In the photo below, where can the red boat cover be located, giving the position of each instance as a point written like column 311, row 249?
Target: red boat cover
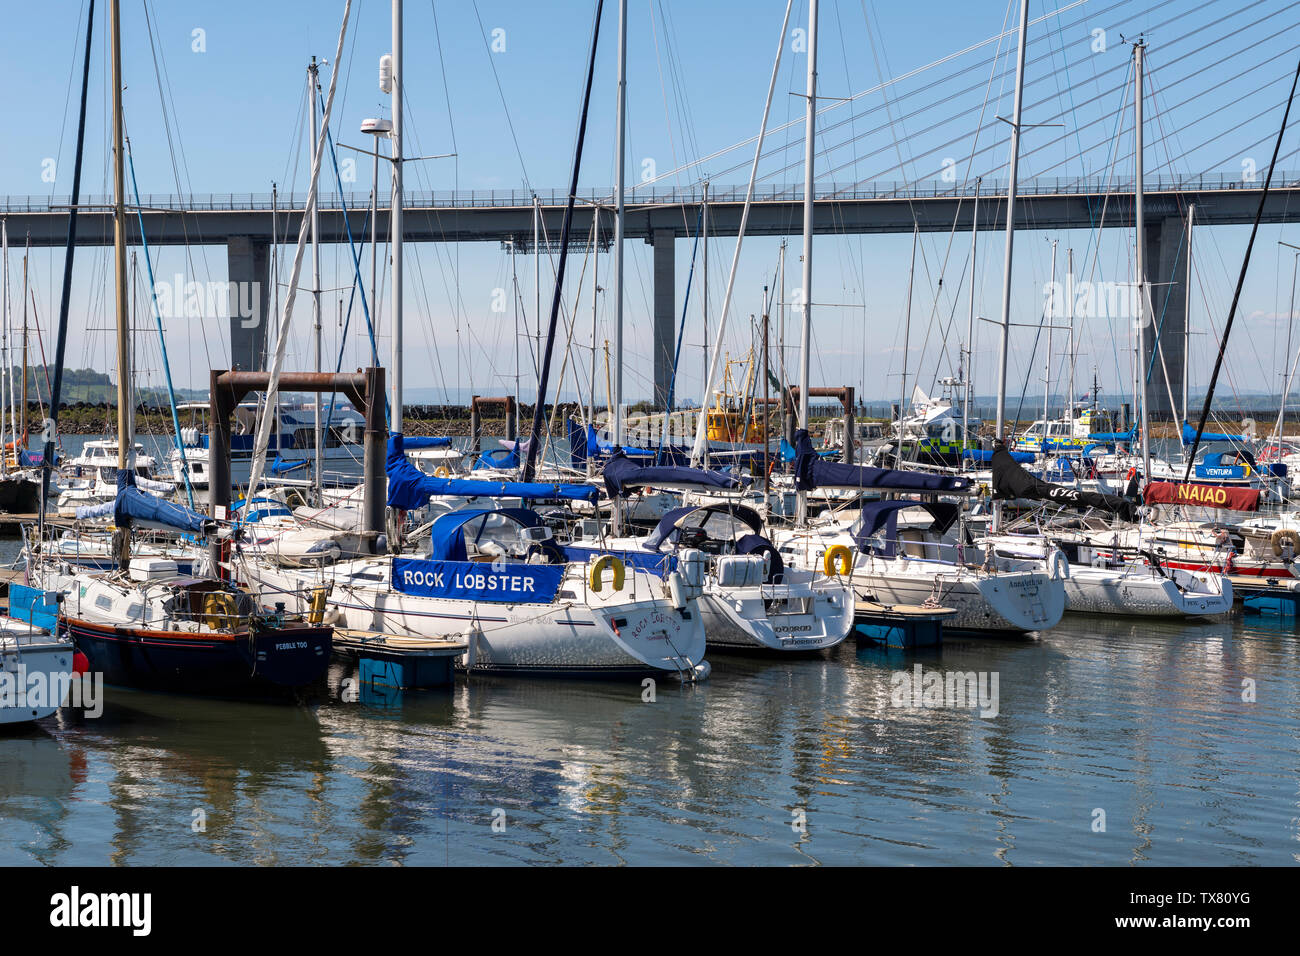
column 1204, row 496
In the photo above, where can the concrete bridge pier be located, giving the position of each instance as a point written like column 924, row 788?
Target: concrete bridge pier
column 1163, row 335
column 248, row 269
column 665, row 309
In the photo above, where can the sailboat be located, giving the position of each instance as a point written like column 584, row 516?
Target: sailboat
column 494, row 574
column 750, row 599
column 20, row 488
column 143, row 624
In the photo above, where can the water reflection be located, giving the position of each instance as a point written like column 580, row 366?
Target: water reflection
column 771, row 761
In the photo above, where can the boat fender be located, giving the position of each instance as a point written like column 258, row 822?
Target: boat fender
column 316, row 603
column 838, row 560
column 471, row 635
column 1058, row 565
column 598, row 571
column 1286, row 540
column 677, row 591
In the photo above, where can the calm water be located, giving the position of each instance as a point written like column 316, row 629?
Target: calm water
column 1143, row 721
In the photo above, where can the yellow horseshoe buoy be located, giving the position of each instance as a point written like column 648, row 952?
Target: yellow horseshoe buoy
column 316, row 605
column 838, row 560
column 598, row 571
column 442, row 471
column 220, row 611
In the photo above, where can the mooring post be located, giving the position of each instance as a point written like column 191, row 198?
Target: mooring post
column 220, row 408
column 847, row 398
column 475, row 426
column 375, row 451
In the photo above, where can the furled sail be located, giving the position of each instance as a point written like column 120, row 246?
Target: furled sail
column 622, row 474
column 1010, row 480
column 811, row 472
column 409, row 488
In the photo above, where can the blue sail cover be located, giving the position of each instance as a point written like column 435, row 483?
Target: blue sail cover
column 133, row 505
column 622, row 474
column 282, row 467
column 811, row 472
column 426, row 441
column 1189, row 436
column 409, row 488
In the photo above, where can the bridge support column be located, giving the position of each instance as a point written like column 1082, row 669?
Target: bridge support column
column 665, row 308
column 248, row 268
column 1163, row 335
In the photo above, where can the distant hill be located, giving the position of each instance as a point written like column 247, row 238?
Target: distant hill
column 90, row 387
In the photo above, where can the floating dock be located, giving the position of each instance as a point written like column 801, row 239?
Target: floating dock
column 397, row 662
column 1271, row 595
column 903, row 626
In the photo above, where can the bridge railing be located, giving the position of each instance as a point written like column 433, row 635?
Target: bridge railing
column 655, row 194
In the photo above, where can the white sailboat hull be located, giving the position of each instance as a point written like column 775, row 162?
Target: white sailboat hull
column 604, row 634
column 1009, row 602
column 805, row 616
column 1141, row 593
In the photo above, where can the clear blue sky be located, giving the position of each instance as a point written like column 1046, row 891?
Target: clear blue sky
column 698, row 73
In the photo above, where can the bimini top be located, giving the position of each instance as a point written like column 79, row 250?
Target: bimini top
column 447, row 536
column 409, row 488
column 883, row 515
column 622, row 474
column 671, row 522
column 810, row 472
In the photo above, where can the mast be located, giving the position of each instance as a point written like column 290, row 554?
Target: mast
column 514, row 294
column 1290, row 321
column 395, row 217
column 125, row 431
column 537, row 285
column 1187, row 305
column 312, row 93
column 704, row 297
column 970, row 320
column 22, row 404
column 907, row 335
column 1047, row 364
column 6, row 374
column 1143, row 313
column 616, row 400
column 767, row 403
column 1012, row 171
column 1069, row 307
column 810, row 133
column 595, row 294
column 65, row 297
column 544, row 363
